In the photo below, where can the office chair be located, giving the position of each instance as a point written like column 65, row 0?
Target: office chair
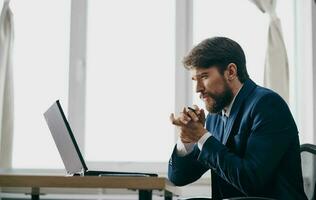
column 308, row 156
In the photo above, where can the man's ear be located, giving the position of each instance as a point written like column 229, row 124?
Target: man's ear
column 231, row 71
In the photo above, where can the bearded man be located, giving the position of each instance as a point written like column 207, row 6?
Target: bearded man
column 249, row 139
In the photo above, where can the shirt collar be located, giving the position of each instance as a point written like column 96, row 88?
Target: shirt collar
column 226, row 110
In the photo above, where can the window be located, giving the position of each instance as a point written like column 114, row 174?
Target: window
column 130, row 71
column 40, row 67
column 130, row 80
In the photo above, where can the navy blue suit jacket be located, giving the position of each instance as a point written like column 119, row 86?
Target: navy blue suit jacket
column 255, row 154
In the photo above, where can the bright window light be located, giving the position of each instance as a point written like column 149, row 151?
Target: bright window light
column 130, row 80
column 40, row 67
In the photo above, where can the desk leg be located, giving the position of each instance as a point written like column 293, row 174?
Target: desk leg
column 168, row 195
column 145, row 195
column 35, row 194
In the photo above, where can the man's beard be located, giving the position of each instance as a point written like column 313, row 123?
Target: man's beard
column 218, row 101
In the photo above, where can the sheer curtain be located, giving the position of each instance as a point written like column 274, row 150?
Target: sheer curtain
column 276, row 72
column 6, row 86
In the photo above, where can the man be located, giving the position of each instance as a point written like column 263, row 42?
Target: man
column 249, row 139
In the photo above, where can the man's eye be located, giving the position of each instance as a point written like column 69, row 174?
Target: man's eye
column 204, row 77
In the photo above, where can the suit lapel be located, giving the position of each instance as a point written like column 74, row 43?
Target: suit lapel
column 247, row 88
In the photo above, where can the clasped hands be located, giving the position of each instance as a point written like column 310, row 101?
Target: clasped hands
column 190, row 124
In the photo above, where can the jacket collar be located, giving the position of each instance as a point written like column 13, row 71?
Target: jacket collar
column 226, row 111
column 244, row 92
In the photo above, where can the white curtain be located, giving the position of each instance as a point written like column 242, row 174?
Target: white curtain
column 276, row 72
column 6, row 86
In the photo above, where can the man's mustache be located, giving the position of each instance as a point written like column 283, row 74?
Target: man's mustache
column 208, row 94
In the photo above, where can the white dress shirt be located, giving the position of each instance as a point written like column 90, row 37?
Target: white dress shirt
column 186, row 148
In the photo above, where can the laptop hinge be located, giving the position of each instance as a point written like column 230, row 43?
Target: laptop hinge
column 81, row 173
column 76, row 174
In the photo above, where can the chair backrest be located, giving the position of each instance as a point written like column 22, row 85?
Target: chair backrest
column 308, row 155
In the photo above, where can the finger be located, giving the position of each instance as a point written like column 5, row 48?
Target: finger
column 202, row 115
column 184, row 118
column 197, row 109
column 192, row 115
column 175, row 121
column 184, row 110
column 190, row 109
column 178, row 121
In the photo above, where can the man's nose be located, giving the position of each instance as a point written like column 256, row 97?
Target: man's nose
column 199, row 87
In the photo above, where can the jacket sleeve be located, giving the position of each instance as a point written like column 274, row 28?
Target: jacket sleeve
column 272, row 131
column 186, row 169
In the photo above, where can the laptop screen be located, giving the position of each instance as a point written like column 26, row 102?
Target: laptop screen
column 64, row 139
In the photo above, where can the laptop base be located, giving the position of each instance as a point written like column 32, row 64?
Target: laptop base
column 115, row 173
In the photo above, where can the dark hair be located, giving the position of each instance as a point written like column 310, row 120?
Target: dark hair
column 218, row 52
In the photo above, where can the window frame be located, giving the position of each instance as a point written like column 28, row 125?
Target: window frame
column 77, row 70
column 305, row 62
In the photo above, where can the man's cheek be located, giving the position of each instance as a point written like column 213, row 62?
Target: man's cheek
column 209, row 102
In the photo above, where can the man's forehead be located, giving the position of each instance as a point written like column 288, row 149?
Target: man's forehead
column 197, row 71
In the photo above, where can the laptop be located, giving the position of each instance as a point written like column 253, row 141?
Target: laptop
column 69, row 149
